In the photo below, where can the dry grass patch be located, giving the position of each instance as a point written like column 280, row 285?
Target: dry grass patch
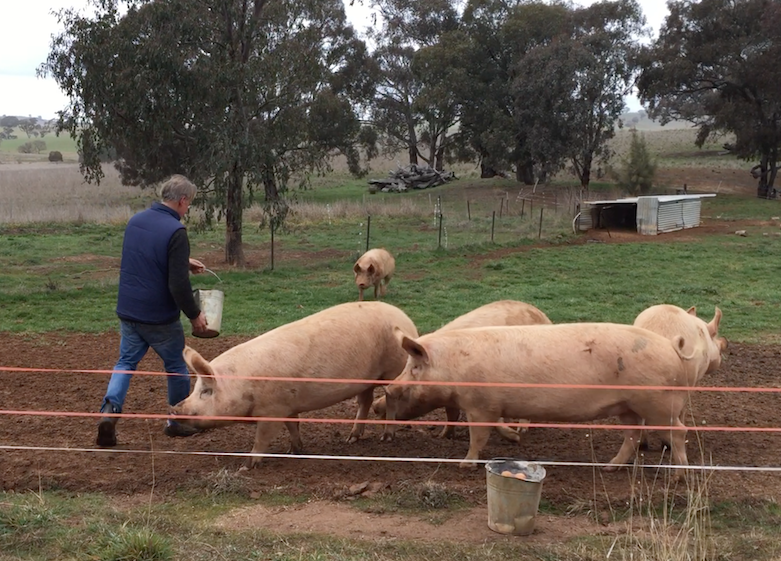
column 46, row 193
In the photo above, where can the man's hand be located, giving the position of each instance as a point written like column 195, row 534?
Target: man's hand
column 199, row 324
column 196, row 267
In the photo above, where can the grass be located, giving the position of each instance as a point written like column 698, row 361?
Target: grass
column 64, row 277
column 57, row 525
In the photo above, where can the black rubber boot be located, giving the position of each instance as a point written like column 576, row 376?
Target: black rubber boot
column 107, row 433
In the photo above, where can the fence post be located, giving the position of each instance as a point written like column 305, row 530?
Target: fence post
column 468, row 211
column 439, row 241
column 493, row 222
column 368, row 230
column 523, row 206
column 501, row 207
column 272, row 245
column 539, row 234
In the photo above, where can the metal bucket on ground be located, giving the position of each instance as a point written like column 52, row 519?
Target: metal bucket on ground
column 514, row 490
column 210, row 302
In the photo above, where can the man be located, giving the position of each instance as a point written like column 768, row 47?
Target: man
column 154, row 287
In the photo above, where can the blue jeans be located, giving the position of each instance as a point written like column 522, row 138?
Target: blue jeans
column 136, row 338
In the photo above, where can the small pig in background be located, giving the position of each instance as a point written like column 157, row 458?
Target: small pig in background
column 372, row 268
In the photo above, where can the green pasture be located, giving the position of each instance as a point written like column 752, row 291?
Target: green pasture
column 64, row 277
column 62, row 143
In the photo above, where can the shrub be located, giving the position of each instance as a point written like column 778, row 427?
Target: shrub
column 55, row 156
column 637, row 171
column 34, row 147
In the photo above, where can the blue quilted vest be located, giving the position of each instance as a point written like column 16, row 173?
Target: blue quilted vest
column 143, row 277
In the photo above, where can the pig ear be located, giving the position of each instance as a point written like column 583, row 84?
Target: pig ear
column 356, row 268
column 692, row 311
column 196, row 363
column 415, row 349
column 370, row 269
column 713, row 326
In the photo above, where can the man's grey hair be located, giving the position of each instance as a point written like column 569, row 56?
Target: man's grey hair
column 176, row 187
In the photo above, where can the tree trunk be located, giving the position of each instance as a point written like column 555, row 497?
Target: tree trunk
column 412, row 147
column 524, row 173
column 585, row 171
column 439, row 161
column 487, row 171
column 234, row 249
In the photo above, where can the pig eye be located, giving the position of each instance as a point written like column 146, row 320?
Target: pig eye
column 206, row 391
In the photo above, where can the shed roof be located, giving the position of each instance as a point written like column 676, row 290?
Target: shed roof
column 662, row 199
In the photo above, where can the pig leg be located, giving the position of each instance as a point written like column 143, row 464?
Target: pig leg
column 449, row 431
column 296, row 445
column 265, row 433
column 385, row 285
column 391, row 404
column 509, row 434
column 631, row 442
column 360, row 294
column 365, row 399
column 478, row 436
column 377, row 289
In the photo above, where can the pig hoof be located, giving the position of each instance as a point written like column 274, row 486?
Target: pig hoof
column 352, row 439
column 610, row 469
column 386, row 437
column 468, row 465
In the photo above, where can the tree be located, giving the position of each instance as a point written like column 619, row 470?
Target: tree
column 238, row 95
column 28, row 126
column 408, row 107
column 9, row 121
column 606, row 37
column 637, row 171
column 715, row 64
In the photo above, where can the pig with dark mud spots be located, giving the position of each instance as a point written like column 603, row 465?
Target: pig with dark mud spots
column 374, row 268
column 568, row 354
column 348, row 341
column 502, row 312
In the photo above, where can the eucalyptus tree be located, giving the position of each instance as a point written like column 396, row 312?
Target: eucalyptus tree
column 494, row 108
column 546, row 82
column 239, row 95
column 715, row 64
column 411, row 106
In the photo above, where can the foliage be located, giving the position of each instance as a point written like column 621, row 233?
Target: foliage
column 636, row 174
column 714, row 64
column 408, row 107
column 235, row 95
column 34, row 147
column 543, row 83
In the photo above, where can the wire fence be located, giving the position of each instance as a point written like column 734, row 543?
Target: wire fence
column 420, row 422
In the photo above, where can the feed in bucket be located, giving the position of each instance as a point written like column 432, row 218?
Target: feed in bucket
column 514, row 490
column 210, row 302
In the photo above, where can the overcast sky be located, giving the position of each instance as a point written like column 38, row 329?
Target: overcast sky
column 24, row 45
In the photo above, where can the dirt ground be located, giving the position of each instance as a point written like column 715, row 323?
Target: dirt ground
column 124, row 473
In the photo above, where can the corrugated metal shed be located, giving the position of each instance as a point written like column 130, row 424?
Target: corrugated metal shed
column 652, row 215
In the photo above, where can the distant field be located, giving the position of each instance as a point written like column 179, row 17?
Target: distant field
column 9, row 149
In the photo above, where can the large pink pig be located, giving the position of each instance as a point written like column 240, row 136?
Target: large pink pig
column 702, row 339
column 502, row 312
column 586, row 354
column 354, row 340
column 374, row 267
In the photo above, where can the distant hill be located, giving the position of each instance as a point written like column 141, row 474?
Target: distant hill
column 642, row 122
